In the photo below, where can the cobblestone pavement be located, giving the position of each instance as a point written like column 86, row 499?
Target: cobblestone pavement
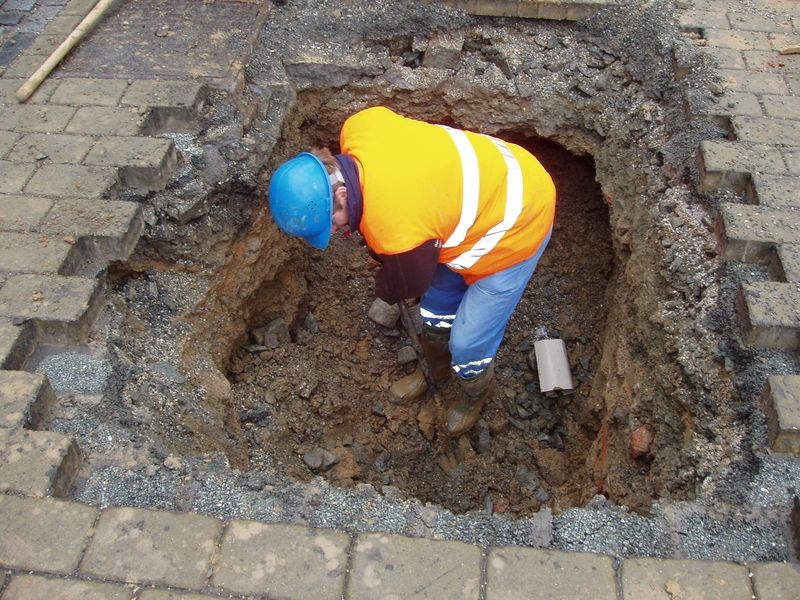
column 67, row 152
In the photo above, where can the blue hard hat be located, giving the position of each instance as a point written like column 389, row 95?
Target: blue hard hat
column 301, row 200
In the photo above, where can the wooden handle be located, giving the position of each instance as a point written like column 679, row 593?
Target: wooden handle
column 89, row 21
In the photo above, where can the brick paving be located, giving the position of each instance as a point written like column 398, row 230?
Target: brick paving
column 66, row 154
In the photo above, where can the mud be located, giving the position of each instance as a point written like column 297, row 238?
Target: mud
column 664, row 404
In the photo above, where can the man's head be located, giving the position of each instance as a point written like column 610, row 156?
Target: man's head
column 307, row 197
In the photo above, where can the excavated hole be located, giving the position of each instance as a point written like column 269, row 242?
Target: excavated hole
column 321, row 392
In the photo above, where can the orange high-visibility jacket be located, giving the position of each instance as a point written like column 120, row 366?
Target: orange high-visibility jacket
column 490, row 203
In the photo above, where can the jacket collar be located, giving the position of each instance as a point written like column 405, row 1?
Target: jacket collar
column 355, row 201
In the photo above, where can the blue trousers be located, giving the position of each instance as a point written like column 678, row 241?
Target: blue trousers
column 476, row 314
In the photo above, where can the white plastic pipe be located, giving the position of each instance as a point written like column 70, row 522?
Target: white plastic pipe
column 553, row 365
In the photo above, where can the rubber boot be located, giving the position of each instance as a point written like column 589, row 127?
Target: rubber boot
column 464, row 411
column 437, row 355
column 435, row 346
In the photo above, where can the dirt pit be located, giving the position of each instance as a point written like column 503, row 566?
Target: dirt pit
column 325, row 391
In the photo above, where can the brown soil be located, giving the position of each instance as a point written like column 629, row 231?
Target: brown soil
column 328, row 388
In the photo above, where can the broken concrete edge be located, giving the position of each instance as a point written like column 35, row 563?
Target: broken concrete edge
column 561, row 10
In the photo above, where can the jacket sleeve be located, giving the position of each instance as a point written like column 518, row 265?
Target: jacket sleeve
column 408, row 274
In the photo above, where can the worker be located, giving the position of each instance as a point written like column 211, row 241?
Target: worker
column 457, row 219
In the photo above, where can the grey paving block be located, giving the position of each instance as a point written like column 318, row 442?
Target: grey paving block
column 770, row 314
column 767, row 130
column 37, row 463
column 14, row 175
column 750, row 233
column 776, row 581
column 146, row 163
column 16, row 342
column 389, row 566
column 152, row 594
column 788, row 263
column 33, row 253
column 35, row 118
column 283, row 561
column 153, row 547
column 43, row 534
column 89, row 92
column 754, row 82
column 782, row 107
column 21, row 212
column 54, row 147
column 776, row 190
column 74, row 181
column 549, row 575
column 656, row 579
column 62, row 308
column 7, row 141
column 9, row 86
column 28, row 587
column 106, row 120
column 728, row 165
column 25, row 398
column 780, row 402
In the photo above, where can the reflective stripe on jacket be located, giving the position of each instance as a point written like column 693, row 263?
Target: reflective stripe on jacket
column 490, row 203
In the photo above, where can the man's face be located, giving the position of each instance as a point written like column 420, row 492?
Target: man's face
column 340, row 216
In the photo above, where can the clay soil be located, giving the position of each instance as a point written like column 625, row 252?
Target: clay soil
column 325, row 391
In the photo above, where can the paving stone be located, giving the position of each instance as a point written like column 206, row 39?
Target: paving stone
column 553, row 575
column 736, row 40
column 37, row 463
column 28, row 587
column 153, row 547
column 728, row 165
column 44, row 45
column 766, row 130
column 53, row 147
column 749, row 233
column 106, row 120
column 284, row 561
column 19, row 212
column 152, row 594
column 791, row 156
column 9, row 86
column 16, row 343
column 726, row 58
column 776, row 581
column 655, row 579
column 776, row 190
column 35, row 118
column 62, row 308
column 63, row 23
column 740, row 103
column 145, row 163
column 7, row 140
column 770, row 314
column 157, row 93
column 787, row 267
column 389, row 566
column 25, row 398
column 14, row 176
column 33, row 253
column 698, row 20
column 780, row 402
column 60, row 180
column 748, row 22
column 89, row 92
column 78, row 7
column 43, row 534
column 753, row 82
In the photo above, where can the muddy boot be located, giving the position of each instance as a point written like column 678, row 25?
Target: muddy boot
column 435, row 346
column 437, row 355
column 464, row 411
